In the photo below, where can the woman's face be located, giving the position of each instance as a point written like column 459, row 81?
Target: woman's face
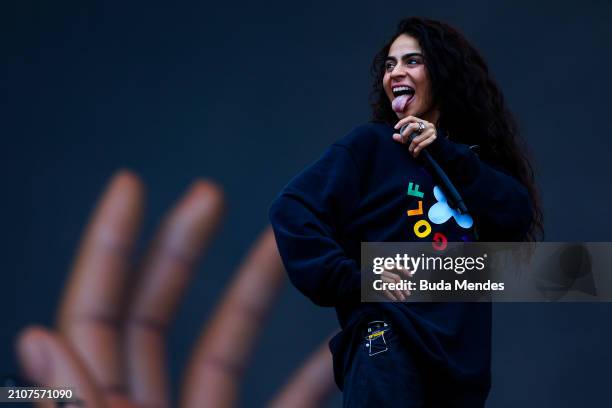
column 406, row 81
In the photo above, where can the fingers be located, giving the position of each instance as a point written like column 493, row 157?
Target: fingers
column 219, row 358
column 393, row 276
column 406, row 120
column 165, row 272
column 417, row 144
column 425, row 139
column 390, row 277
column 404, row 136
column 47, row 360
column 406, row 273
column 426, row 134
column 91, row 307
column 311, row 385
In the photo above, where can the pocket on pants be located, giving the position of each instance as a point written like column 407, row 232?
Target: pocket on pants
column 343, row 347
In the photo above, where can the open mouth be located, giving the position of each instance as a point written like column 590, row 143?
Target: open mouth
column 403, row 96
column 402, row 90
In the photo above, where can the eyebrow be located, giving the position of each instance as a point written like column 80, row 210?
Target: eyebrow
column 412, row 54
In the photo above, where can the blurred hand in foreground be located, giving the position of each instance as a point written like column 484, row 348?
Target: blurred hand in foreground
column 109, row 343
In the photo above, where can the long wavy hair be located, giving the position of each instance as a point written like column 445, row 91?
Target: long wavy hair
column 471, row 105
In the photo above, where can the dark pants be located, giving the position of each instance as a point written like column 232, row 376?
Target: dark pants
column 382, row 371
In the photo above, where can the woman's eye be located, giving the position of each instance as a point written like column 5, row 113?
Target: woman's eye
column 389, row 66
column 413, row 61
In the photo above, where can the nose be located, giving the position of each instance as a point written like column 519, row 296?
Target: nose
column 398, row 71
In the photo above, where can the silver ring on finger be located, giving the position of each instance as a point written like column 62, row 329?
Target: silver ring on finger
column 421, row 128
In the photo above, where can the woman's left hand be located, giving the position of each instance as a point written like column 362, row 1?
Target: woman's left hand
column 427, row 136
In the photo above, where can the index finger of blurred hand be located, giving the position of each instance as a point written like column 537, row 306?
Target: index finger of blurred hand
column 91, row 308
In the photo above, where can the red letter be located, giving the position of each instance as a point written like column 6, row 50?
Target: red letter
column 439, row 241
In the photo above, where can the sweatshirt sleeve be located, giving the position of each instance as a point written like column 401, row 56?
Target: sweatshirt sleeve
column 499, row 204
column 307, row 217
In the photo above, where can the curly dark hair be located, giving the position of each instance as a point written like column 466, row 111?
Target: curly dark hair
column 471, row 105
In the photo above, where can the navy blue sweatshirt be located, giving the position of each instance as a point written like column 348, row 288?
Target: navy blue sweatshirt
column 367, row 187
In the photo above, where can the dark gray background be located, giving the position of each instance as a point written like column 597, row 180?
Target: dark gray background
column 247, row 94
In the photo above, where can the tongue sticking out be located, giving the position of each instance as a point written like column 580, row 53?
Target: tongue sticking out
column 400, row 102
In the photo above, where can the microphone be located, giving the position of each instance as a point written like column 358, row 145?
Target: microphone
column 454, row 197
